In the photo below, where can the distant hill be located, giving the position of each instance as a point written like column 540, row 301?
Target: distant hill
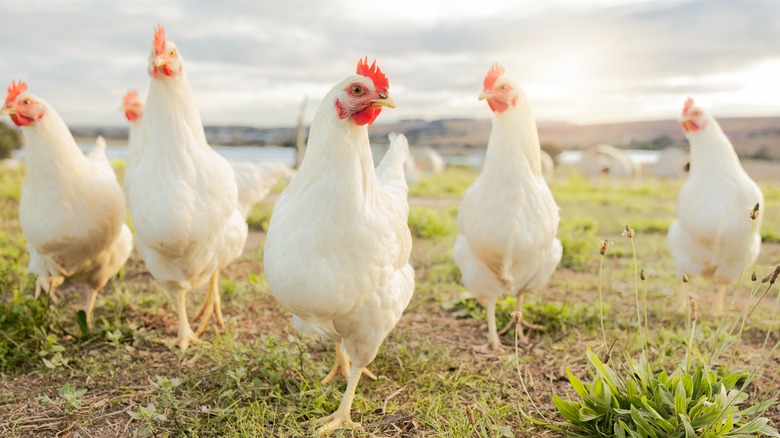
column 755, row 137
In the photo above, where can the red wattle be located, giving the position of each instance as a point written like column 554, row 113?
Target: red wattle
column 497, row 106
column 20, row 120
column 367, row 116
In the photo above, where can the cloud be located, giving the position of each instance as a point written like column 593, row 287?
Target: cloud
column 252, row 62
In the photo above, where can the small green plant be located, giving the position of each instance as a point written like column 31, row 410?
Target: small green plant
column 692, row 401
column 71, row 395
column 69, row 399
column 114, row 337
column 149, row 416
column 51, row 353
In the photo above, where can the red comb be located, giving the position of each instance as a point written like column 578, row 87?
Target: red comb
column 159, row 40
column 688, row 105
column 493, row 75
column 130, row 97
column 374, row 73
column 14, row 90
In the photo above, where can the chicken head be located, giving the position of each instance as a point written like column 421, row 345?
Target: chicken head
column 23, row 108
column 693, row 118
column 364, row 97
column 498, row 91
column 132, row 106
column 165, row 57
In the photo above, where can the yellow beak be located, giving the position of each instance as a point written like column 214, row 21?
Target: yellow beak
column 6, row 111
column 158, row 61
column 386, row 101
column 485, row 95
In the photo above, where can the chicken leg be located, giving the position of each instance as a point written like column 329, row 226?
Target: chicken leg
column 721, row 299
column 91, row 306
column 211, row 306
column 343, row 413
column 343, row 365
column 186, row 335
column 493, row 342
column 518, row 321
column 48, row 284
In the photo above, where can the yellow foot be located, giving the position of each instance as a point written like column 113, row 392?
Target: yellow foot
column 491, row 348
column 187, row 339
column 334, row 371
column 333, row 422
column 211, row 306
column 344, row 371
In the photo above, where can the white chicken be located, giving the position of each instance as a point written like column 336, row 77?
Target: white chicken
column 182, row 195
column 338, row 245
column 133, row 108
column 713, row 235
column 508, row 218
column 71, row 209
column 254, row 180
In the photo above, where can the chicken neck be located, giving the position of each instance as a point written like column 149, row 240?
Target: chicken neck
column 513, row 139
column 338, row 151
column 712, row 152
column 51, row 155
column 171, row 115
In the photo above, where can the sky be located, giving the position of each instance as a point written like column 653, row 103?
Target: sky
column 252, row 62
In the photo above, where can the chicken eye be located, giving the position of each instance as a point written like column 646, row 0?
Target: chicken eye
column 172, row 53
column 503, row 87
column 26, row 102
column 357, row 90
column 696, row 113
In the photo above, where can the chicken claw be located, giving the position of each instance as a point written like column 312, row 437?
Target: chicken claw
column 187, row 339
column 211, row 306
column 343, row 366
column 334, row 421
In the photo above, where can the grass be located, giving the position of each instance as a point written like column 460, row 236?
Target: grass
column 261, row 378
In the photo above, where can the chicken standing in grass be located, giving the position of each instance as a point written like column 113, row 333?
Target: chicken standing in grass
column 338, row 245
column 71, row 209
column 254, row 180
column 508, row 218
column 713, row 235
column 182, row 195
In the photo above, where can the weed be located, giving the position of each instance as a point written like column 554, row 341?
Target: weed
column 149, row 416
column 691, row 401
